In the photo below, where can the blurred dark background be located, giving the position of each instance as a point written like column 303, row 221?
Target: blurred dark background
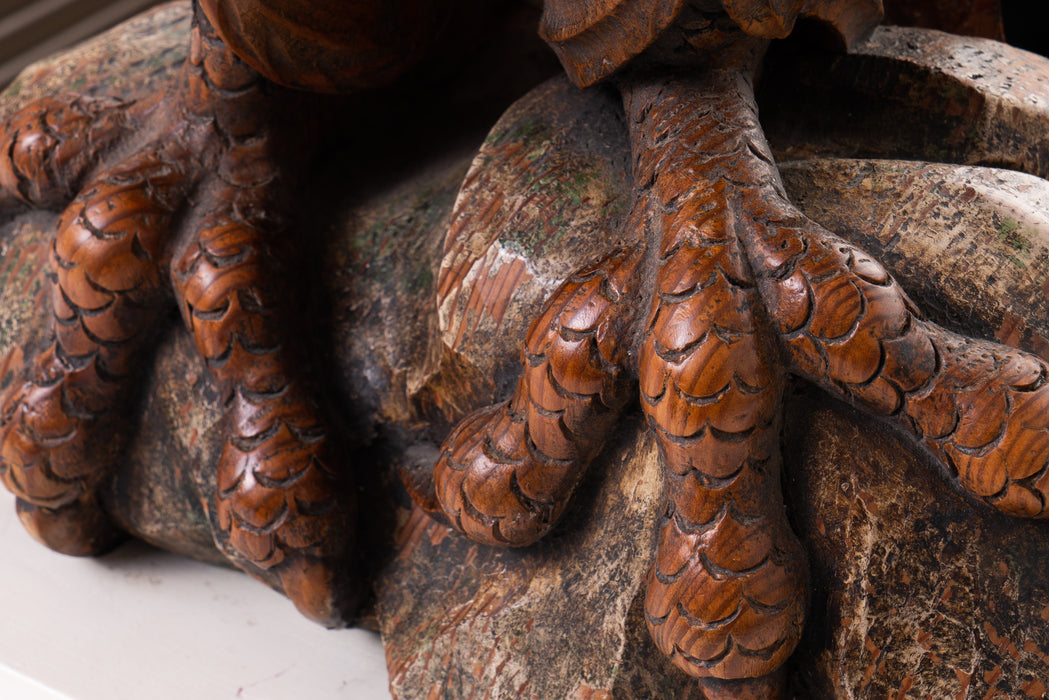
column 33, row 29
column 1025, row 25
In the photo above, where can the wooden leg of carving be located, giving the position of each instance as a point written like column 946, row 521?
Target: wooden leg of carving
column 726, row 595
column 506, row 473
column 282, row 502
column 986, row 415
column 50, row 146
column 59, row 428
column 844, row 323
column 981, row 408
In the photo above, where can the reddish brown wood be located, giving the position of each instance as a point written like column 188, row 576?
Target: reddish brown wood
column 596, row 38
column 509, row 471
column 850, row 19
column 329, row 45
column 726, row 597
column 741, row 289
column 56, row 419
column 118, row 251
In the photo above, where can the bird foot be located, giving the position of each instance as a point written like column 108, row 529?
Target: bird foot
column 169, row 202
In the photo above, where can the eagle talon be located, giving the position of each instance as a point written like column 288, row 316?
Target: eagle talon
column 743, row 291
column 78, row 529
column 185, row 219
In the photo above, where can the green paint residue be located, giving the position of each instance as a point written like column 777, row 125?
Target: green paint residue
column 493, row 136
column 566, row 191
column 529, row 131
column 533, row 135
column 524, row 131
column 1006, row 228
column 972, row 135
column 16, row 312
column 535, row 241
column 162, row 60
column 564, row 188
column 1012, row 234
column 421, row 281
column 15, row 87
column 572, row 188
column 386, row 246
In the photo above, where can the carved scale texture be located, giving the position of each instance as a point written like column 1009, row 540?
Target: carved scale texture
column 593, row 39
column 743, row 289
column 980, row 407
column 115, row 257
column 106, row 278
column 49, row 146
column 274, row 485
column 506, row 473
column 329, row 45
column 278, row 504
column 726, row 595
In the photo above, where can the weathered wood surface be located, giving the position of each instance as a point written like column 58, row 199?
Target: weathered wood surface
column 925, row 593
column 967, row 242
column 202, row 169
column 913, row 94
column 916, row 588
column 956, row 213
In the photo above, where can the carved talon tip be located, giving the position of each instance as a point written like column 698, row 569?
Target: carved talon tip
column 770, row 687
column 319, row 591
column 79, row 529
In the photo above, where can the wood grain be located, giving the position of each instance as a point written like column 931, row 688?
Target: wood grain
column 121, row 257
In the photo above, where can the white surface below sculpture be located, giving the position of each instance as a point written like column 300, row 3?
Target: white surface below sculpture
column 141, row 623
